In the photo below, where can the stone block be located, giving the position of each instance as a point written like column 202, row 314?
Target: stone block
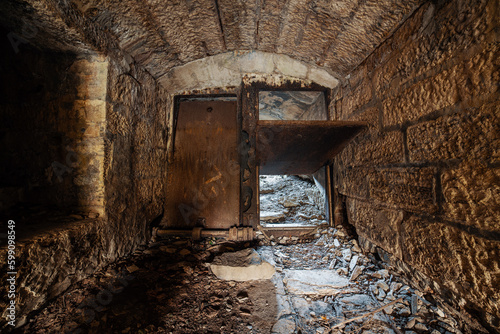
column 290, row 67
column 412, row 189
column 461, row 262
column 93, row 130
column 357, row 97
column 436, row 38
column 472, row 134
column 370, row 116
column 317, row 282
column 483, row 75
column 379, row 225
column 241, row 266
column 382, row 149
column 284, row 325
column 257, row 62
column 422, row 98
column 353, row 182
column 94, row 110
column 471, row 194
column 322, row 77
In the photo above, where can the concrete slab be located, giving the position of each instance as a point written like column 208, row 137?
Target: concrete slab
column 317, row 282
column 284, row 326
column 245, row 265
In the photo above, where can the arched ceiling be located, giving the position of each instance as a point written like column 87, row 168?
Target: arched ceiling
column 163, row 34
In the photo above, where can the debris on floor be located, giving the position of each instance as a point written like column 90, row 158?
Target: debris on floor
column 291, row 200
column 324, row 286
column 330, row 286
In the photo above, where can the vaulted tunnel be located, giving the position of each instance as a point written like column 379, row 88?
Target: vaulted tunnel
column 110, row 111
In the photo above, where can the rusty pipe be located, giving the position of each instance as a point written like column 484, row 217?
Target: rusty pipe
column 198, row 233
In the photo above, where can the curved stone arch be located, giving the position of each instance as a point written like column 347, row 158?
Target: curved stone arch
column 227, row 69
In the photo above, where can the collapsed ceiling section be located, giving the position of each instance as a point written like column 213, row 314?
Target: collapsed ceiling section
column 160, row 35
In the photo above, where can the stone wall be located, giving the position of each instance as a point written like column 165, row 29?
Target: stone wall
column 423, row 183
column 136, row 153
column 118, row 138
column 52, row 126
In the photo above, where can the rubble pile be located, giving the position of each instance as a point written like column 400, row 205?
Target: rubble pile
column 291, row 200
column 356, row 285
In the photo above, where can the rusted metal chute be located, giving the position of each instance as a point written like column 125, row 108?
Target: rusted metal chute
column 301, row 147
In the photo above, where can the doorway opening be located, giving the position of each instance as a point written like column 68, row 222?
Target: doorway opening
column 290, row 200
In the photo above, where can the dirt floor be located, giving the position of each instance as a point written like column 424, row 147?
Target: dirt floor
column 321, row 282
column 168, row 288
column 290, row 200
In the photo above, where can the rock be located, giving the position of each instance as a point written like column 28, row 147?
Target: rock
column 381, row 294
column 283, row 240
column 359, row 300
column 355, row 246
column 342, row 271
column 290, row 203
column 414, row 304
column 241, row 266
column 336, row 243
column 284, row 326
column 405, row 311
column 395, row 286
column 272, row 216
column 390, row 295
column 167, row 249
column 383, row 273
column 383, row 285
column 304, row 307
column 440, row 313
column 421, row 327
column 132, row 268
column 332, row 264
column 354, row 262
column 411, row 323
column 358, row 270
column 347, row 254
column 316, row 282
column 340, row 233
column 284, row 306
column 185, row 252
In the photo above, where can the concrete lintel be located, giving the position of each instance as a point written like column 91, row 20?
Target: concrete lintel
column 228, row 69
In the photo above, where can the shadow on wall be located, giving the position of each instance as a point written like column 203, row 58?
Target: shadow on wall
column 51, row 130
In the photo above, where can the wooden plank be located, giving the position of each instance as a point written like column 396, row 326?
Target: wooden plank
column 301, row 147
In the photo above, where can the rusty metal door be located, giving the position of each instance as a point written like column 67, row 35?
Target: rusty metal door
column 204, row 177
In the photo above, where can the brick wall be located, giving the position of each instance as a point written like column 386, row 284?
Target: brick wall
column 423, row 182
